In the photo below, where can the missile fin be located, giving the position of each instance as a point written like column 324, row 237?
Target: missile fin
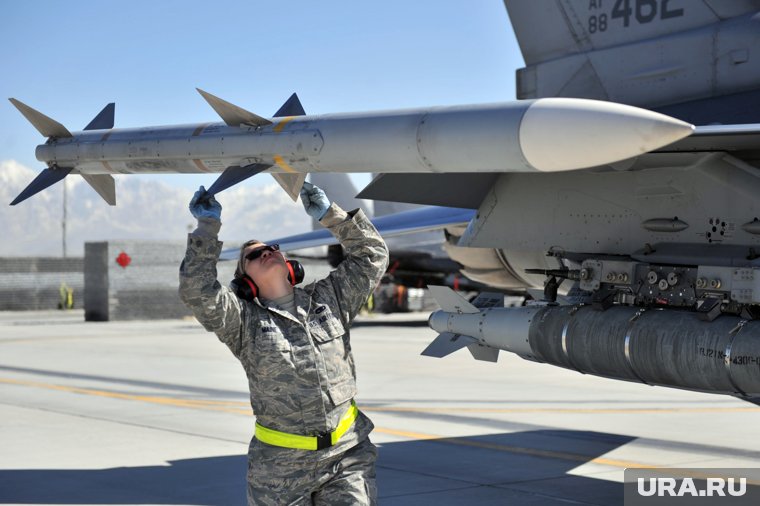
column 450, row 301
column 486, row 300
column 45, row 125
column 232, row 114
column 44, row 179
column 235, row 174
column 484, row 353
column 291, row 107
column 291, row 183
column 446, row 344
column 104, row 184
column 104, row 119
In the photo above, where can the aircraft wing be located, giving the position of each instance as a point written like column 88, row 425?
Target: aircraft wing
column 742, row 141
column 405, row 222
column 467, row 190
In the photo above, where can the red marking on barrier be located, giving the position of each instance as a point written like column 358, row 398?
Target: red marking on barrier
column 123, row 259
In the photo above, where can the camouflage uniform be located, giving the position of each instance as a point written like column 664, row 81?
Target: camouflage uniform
column 300, row 370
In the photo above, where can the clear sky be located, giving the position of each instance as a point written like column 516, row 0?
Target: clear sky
column 68, row 59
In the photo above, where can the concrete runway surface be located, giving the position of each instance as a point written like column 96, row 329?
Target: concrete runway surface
column 156, row 412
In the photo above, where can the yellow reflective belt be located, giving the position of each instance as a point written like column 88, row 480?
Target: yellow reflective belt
column 277, row 438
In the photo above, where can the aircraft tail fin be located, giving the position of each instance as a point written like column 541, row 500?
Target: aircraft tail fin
column 104, row 120
column 44, row 179
column 45, row 125
column 648, row 53
column 549, row 30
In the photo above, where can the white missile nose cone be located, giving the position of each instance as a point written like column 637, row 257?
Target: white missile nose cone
column 558, row 134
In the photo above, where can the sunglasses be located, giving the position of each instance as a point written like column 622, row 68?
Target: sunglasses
column 256, row 253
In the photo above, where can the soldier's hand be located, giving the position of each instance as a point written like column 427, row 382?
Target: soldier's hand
column 205, row 206
column 314, row 200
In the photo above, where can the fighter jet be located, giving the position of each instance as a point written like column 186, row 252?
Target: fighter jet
column 658, row 255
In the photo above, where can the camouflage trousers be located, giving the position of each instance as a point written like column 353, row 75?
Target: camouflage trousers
column 282, row 476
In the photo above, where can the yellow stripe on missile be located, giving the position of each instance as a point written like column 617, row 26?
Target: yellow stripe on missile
column 283, row 165
column 284, row 121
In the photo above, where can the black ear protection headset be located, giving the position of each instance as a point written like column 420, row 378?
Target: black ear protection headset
column 246, row 289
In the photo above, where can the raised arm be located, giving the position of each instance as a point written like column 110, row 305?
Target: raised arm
column 366, row 253
column 215, row 306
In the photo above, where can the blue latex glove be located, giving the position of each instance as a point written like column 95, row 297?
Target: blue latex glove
column 314, row 201
column 202, row 206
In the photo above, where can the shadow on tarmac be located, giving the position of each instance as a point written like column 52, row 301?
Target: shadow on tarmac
column 530, row 467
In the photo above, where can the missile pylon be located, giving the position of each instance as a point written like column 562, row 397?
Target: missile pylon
column 543, row 135
column 660, row 346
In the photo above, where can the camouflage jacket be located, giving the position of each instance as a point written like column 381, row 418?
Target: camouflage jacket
column 300, row 370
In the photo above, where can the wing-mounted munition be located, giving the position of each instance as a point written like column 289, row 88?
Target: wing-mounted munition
column 545, row 135
column 665, row 347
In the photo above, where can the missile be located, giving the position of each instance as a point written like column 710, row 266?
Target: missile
column 657, row 346
column 543, row 135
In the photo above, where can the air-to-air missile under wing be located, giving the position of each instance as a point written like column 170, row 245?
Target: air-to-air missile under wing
column 546, row 135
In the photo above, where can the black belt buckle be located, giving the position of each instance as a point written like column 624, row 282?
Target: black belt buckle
column 324, row 441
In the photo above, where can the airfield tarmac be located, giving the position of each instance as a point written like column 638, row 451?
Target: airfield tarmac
column 156, row 412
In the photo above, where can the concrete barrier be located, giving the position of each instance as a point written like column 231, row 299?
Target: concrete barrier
column 135, row 280
column 30, row 284
column 138, row 280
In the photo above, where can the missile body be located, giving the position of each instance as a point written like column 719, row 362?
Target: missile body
column 545, row 135
column 657, row 346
